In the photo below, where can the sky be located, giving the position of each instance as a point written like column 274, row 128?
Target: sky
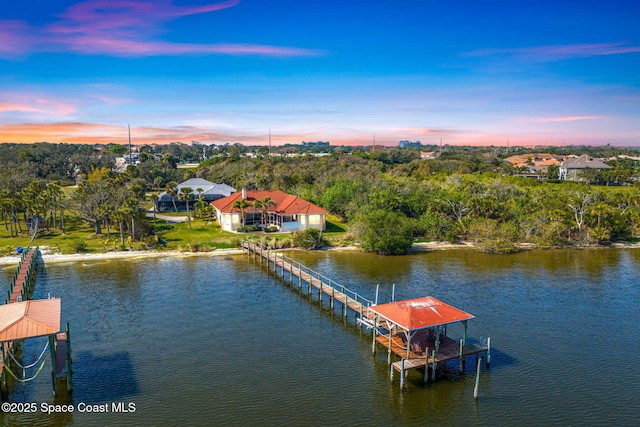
column 488, row 72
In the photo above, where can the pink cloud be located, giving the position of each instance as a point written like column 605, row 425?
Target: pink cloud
column 559, row 52
column 15, row 38
column 124, row 28
column 562, row 119
column 33, row 103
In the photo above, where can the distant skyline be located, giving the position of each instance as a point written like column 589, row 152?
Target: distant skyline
column 471, row 73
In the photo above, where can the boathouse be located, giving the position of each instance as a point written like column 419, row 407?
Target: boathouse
column 416, row 331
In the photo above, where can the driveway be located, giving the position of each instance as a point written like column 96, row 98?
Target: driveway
column 168, row 218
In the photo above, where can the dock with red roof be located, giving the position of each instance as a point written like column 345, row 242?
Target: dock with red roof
column 414, row 330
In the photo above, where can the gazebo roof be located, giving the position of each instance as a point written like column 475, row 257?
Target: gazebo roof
column 29, row 319
column 420, row 313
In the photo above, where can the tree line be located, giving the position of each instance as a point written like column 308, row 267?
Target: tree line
column 389, row 197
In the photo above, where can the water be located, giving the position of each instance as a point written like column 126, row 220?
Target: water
column 220, row 341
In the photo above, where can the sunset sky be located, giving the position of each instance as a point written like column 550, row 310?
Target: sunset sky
column 469, row 72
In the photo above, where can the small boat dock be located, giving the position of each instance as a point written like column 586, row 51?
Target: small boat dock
column 413, row 330
column 22, row 318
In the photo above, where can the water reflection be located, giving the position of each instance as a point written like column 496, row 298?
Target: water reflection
column 221, row 340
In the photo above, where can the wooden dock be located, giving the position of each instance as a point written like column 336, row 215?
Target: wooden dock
column 23, row 279
column 19, row 325
column 435, row 347
column 294, row 271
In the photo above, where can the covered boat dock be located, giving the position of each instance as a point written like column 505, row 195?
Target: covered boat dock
column 32, row 319
column 416, row 331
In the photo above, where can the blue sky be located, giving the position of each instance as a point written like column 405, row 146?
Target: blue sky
column 466, row 72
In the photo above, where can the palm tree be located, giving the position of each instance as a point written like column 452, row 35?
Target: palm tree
column 104, row 213
column 172, row 190
column 120, row 215
column 158, row 181
column 131, row 205
column 154, row 199
column 186, row 193
column 264, row 205
column 242, row 205
column 199, row 191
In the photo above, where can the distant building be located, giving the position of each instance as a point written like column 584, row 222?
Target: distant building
column 536, row 164
column 571, row 168
column 406, row 144
column 315, row 143
column 424, row 155
column 210, row 192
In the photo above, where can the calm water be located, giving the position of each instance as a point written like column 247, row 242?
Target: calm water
column 220, row 341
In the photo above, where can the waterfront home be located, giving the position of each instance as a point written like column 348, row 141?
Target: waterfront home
column 572, row 168
column 268, row 208
column 209, row 192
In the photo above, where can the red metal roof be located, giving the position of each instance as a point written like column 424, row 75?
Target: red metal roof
column 284, row 203
column 29, row 319
column 420, row 313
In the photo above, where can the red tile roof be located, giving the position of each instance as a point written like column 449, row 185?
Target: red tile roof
column 284, row 203
column 420, row 313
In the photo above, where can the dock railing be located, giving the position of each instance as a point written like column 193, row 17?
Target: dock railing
column 324, row 284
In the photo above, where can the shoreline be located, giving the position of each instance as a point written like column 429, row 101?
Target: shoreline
column 112, row 255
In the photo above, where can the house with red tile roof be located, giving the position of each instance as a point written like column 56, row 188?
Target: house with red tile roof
column 268, row 208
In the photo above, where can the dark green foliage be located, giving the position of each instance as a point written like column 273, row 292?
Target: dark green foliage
column 249, row 229
column 383, row 232
column 308, row 239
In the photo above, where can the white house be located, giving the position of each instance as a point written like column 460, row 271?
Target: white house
column 282, row 210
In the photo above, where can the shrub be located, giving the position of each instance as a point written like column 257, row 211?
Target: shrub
column 270, row 229
column 492, row 236
column 387, row 233
column 309, row 239
column 249, row 229
column 78, row 244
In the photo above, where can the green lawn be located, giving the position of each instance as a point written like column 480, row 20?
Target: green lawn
column 204, row 235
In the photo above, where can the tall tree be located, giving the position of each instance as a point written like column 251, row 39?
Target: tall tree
column 186, row 194
column 263, row 206
column 242, row 205
column 172, row 191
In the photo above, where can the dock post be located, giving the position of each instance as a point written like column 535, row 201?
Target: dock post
column 320, row 287
column 393, row 293
column 391, row 373
column 475, row 389
column 433, row 366
column 299, row 276
column 373, row 343
column 488, row 352
column 52, row 352
column 390, row 345
column 333, row 290
column 426, row 366
column 402, row 375
column 461, row 363
column 377, row 290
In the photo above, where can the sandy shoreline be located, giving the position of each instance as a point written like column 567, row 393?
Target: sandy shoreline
column 417, row 247
column 50, row 257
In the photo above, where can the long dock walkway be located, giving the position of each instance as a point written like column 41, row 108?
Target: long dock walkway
column 21, row 285
column 290, row 269
column 435, row 349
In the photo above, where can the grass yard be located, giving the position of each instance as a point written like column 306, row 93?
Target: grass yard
column 204, row 235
